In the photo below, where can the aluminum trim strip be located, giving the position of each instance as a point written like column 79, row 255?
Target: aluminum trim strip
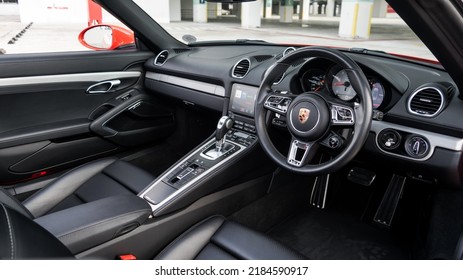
column 68, row 78
column 187, row 83
column 159, row 207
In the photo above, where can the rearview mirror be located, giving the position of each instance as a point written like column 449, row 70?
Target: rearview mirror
column 105, row 37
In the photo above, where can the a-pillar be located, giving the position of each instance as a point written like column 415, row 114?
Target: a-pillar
column 305, row 10
column 356, row 19
column 250, row 14
column 199, row 11
column 286, row 10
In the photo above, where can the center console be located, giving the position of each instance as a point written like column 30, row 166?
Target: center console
column 235, row 135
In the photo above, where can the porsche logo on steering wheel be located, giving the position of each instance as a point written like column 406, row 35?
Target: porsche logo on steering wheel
column 304, row 114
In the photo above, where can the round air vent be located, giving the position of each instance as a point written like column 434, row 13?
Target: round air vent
column 161, row 58
column 241, row 69
column 426, row 101
column 288, row 51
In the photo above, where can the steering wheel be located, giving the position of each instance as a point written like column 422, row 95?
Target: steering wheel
column 312, row 117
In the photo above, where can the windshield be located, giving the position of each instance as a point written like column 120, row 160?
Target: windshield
column 31, row 26
column 370, row 25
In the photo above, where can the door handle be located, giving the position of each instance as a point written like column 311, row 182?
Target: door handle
column 103, row 87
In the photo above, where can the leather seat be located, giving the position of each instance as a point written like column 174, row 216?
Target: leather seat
column 219, row 239
column 89, row 182
column 214, row 238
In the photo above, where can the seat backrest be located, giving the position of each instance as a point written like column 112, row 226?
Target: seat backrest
column 22, row 238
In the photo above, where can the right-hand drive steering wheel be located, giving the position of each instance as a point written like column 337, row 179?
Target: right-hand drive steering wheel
column 310, row 117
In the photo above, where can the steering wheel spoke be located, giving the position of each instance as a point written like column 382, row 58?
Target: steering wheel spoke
column 342, row 115
column 300, row 153
column 278, row 103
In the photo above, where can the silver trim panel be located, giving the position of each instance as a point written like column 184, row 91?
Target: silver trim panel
column 435, row 139
column 158, row 207
column 68, row 78
column 234, row 67
column 187, row 83
column 441, row 107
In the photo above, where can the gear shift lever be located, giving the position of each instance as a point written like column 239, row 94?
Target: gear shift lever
column 223, row 126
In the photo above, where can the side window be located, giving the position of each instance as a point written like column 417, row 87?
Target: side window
column 36, row 26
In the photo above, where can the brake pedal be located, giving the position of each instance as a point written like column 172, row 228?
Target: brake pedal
column 388, row 206
column 361, row 176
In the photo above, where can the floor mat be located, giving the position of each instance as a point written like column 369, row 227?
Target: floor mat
column 325, row 235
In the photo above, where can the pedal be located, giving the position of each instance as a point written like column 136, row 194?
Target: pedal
column 319, row 191
column 361, row 176
column 388, row 206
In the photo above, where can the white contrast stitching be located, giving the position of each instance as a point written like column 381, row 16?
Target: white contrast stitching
column 10, row 231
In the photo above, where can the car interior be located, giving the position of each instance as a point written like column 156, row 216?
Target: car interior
column 235, row 149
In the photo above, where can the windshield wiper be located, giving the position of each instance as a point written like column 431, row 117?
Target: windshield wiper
column 231, row 42
column 367, row 51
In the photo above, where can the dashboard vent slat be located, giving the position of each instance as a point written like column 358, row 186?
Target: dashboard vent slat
column 161, row 58
column 427, row 102
column 181, row 50
column 241, row 69
column 262, row 58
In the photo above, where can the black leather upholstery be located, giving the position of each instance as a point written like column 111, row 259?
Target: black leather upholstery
column 216, row 238
column 85, row 226
column 89, row 182
column 7, row 199
column 20, row 238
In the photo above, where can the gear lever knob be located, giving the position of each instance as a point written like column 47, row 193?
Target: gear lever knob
column 223, row 126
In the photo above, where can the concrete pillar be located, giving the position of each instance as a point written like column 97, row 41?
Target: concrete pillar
column 199, row 11
column 356, row 19
column 212, row 10
column 286, row 10
column 175, row 10
column 249, row 10
column 330, row 8
column 158, row 10
column 268, row 9
column 305, row 10
column 379, row 8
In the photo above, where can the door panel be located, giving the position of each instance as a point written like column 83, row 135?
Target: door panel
column 46, row 110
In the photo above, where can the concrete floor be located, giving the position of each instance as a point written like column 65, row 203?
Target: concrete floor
column 387, row 34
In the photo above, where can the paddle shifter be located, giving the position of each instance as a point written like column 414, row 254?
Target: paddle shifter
column 223, row 126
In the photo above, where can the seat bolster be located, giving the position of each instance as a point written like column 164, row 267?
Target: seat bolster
column 247, row 244
column 188, row 245
column 47, row 198
column 7, row 199
column 21, row 238
column 131, row 177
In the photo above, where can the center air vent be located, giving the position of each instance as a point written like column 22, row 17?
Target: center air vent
column 241, row 68
column 426, row 101
column 262, row 58
column 161, row 58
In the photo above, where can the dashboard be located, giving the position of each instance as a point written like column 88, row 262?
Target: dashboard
column 415, row 104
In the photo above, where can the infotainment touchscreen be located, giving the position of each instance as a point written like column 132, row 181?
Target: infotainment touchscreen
column 243, row 98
